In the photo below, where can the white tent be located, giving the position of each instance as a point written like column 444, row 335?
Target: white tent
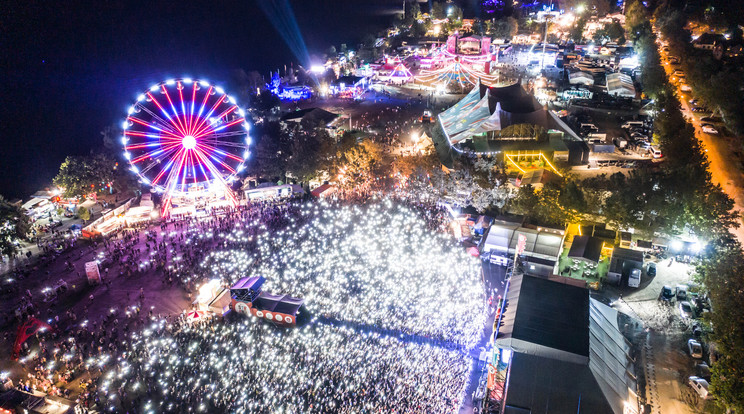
column 620, row 84
column 581, row 78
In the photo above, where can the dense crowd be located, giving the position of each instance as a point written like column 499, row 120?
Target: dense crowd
column 375, row 264
column 244, row 366
column 396, row 305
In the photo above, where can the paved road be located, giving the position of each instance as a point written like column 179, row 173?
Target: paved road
column 725, row 168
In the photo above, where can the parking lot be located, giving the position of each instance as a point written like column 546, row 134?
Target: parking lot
column 667, row 359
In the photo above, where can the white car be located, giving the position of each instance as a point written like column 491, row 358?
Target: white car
column 685, row 88
column 708, row 129
column 634, row 279
column 700, row 386
column 695, row 349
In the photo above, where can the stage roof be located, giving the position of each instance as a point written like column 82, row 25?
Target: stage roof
column 547, row 319
column 310, row 115
column 567, row 348
column 550, row 386
column 278, row 303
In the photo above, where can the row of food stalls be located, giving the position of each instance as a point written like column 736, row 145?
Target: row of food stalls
column 123, row 216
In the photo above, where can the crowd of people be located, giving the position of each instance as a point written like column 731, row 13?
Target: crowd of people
column 373, row 264
column 392, row 300
column 244, row 366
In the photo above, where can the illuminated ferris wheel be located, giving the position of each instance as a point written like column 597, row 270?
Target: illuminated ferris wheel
column 186, row 137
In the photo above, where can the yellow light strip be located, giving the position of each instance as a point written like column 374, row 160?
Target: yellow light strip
column 508, row 157
column 531, row 154
column 551, row 165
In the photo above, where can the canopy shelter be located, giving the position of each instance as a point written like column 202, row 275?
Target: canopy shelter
column 620, row 84
column 586, row 248
column 323, row 190
column 195, row 316
column 247, row 288
column 581, row 78
column 311, row 116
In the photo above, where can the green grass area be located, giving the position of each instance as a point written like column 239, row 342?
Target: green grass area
column 581, row 270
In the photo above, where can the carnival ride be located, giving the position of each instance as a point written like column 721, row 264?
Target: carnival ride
column 187, row 140
column 451, row 64
column 455, row 72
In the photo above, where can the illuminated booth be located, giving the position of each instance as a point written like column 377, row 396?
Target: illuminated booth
column 248, row 298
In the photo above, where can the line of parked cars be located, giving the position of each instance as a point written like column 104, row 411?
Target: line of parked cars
column 639, row 133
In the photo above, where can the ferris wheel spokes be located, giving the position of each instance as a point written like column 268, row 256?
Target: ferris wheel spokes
column 190, row 142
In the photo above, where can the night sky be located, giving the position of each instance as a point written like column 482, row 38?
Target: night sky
column 71, row 68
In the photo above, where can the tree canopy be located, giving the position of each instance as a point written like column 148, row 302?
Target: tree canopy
column 14, row 226
column 82, row 175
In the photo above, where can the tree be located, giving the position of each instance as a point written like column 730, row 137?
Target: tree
column 454, row 12
column 356, row 166
column 721, row 274
column 14, row 226
column 81, row 175
column 271, row 152
column 635, row 15
column 577, row 31
column 505, row 28
column 311, row 153
column 616, row 32
column 438, row 10
column 83, row 213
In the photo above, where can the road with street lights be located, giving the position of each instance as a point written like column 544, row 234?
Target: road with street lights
column 724, row 166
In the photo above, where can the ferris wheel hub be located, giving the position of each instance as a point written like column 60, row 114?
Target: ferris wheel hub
column 188, row 142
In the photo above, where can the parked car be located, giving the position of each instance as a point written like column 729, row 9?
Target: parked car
column 709, row 129
column 655, row 152
column 694, row 101
column 699, row 109
column 685, row 310
column 633, row 124
column 651, row 270
column 702, row 370
column 644, row 145
column 666, row 294
column 634, row 279
column 685, row 88
column 700, row 386
column 681, row 292
column 697, row 331
column 695, row 349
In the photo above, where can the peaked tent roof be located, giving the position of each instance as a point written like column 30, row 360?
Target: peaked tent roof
column 507, row 105
column 311, row 115
column 586, row 247
column 400, row 71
